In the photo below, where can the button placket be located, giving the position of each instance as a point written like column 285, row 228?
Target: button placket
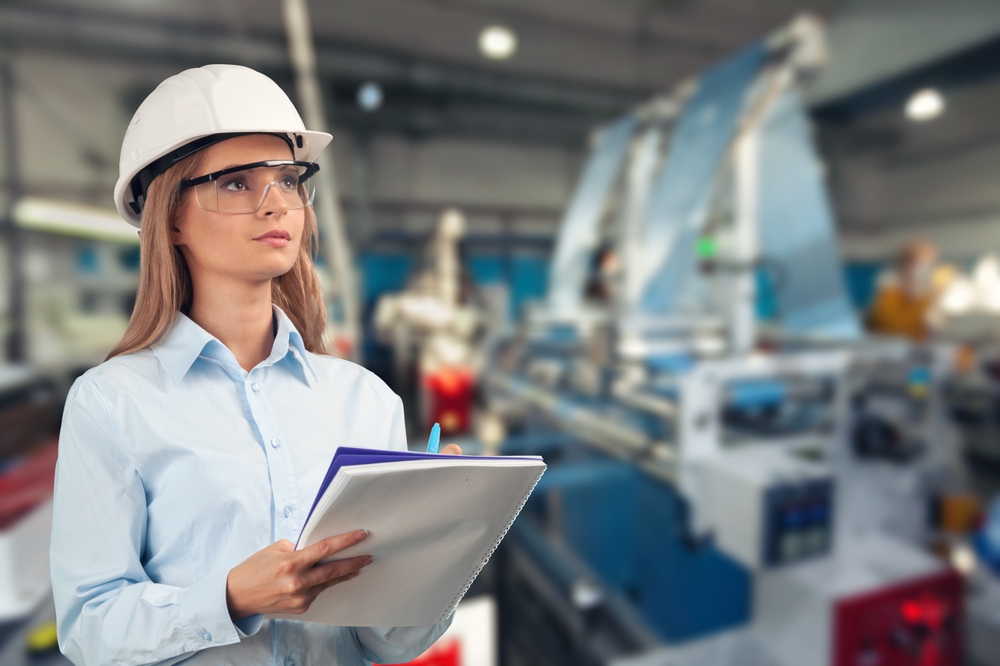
column 284, row 492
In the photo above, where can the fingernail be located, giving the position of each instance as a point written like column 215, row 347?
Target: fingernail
column 360, row 534
column 367, row 561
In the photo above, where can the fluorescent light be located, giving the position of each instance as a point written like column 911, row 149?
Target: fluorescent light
column 497, row 42
column 370, row 96
column 925, row 104
column 74, row 220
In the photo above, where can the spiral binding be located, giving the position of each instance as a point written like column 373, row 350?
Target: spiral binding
column 489, row 554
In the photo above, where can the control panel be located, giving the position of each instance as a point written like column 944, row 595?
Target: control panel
column 798, row 521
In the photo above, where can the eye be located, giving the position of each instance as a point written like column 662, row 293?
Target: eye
column 289, row 181
column 234, row 184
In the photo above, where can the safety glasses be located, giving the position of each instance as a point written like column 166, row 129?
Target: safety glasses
column 243, row 189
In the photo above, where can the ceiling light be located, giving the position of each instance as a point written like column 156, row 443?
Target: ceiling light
column 497, row 42
column 370, row 96
column 925, row 104
column 70, row 219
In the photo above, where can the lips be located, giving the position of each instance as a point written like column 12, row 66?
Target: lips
column 275, row 233
column 275, row 238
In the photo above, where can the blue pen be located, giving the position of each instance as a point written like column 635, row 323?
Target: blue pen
column 434, row 441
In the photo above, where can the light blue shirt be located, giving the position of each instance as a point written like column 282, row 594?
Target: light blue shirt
column 175, row 465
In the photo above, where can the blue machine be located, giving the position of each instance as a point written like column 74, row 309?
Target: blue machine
column 610, row 558
column 631, row 531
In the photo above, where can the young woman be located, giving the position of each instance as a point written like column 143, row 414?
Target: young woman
column 188, row 459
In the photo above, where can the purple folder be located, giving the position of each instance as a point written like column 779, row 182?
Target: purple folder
column 346, row 455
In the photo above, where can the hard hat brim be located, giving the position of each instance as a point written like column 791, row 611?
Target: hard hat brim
column 306, row 150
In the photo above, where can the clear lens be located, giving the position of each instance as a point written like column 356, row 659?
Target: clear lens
column 246, row 191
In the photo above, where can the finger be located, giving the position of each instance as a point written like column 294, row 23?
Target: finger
column 317, row 590
column 327, row 547
column 321, row 573
column 452, row 450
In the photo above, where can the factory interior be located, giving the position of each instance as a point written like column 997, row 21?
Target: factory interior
column 730, row 267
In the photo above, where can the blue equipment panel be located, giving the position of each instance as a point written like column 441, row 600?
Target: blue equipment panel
column 579, row 231
column 680, row 199
column 630, row 529
column 796, row 227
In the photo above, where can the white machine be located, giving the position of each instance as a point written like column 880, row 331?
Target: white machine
column 755, row 440
column 432, row 317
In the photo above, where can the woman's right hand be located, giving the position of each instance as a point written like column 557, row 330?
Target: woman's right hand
column 282, row 580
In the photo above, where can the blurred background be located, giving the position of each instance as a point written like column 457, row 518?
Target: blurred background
column 731, row 267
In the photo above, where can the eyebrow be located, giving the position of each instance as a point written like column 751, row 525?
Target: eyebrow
column 236, row 164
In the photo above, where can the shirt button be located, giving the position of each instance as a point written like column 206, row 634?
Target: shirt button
column 274, row 443
column 256, row 389
column 288, row 511
column 289, row 661
column 207, row 636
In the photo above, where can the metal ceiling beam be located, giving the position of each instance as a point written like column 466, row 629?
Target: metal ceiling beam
column 112, row 35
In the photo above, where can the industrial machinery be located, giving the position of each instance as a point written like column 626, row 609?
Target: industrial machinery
column 694, row 510
column 433, row 316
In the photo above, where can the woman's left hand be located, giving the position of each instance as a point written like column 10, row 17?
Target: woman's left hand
column 452, row 450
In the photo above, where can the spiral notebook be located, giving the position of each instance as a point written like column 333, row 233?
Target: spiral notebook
column 434, row 521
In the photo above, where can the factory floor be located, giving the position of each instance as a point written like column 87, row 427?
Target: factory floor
column 14, row 641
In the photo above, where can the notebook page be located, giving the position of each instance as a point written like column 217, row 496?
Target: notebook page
column 431, row 522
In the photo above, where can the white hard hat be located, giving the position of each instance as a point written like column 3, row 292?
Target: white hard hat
column 195, row 109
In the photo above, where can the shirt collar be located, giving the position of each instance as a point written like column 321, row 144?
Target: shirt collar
column 288, row 340
column 186, row 341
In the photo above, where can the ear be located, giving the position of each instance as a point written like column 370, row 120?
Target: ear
column 176, row 230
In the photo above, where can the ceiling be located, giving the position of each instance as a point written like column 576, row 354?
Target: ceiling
column 628, row 44
column 580, row 62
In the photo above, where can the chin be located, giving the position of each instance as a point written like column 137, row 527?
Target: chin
column 281, row 270
column 265, row 270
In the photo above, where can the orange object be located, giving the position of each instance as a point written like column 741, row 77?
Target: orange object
column 444, row 653
column 965, row 358
column 896, row 312
column 960, row 513
column 450, row 392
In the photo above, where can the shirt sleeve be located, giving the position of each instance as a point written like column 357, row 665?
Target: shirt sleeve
column 108, row 610
column 396, row 645
column 397, row 427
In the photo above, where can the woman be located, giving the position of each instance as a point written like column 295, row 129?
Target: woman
column 188, row 460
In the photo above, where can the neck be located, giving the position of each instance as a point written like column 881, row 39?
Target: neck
column 239, row 315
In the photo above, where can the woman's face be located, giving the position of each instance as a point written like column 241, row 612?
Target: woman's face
column 241, row 246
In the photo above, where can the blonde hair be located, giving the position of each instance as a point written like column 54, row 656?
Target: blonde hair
column 165, row 282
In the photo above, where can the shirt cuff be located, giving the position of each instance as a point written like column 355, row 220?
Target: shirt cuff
column 207, row 614
column 250, row 625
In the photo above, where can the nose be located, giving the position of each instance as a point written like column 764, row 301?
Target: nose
column 274, row 202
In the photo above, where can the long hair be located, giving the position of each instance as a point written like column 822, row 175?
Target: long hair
column 165, row 283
